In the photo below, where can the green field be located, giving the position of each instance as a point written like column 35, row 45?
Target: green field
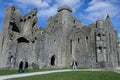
column 8, row 72
column 15, row 71
column 77, row 75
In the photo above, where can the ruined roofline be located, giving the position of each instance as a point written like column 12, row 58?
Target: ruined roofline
column 10, row 7
column 88, row 25
column 32, row 12
column 29, row 15
column 107, row 17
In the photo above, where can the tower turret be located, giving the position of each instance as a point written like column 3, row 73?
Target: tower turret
column 64, row 8
column 99, row 23
column 100, row 42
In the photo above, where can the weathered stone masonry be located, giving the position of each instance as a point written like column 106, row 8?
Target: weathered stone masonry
column 63, row 40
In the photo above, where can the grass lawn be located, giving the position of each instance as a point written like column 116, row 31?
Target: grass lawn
column 15, row 71
column 78, row 75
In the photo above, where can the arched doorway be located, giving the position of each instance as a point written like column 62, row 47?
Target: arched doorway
column 53, row 60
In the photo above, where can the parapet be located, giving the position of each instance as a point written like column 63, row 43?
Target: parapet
column 64, row 8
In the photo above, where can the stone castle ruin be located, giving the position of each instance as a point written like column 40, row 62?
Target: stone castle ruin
column 63, row 40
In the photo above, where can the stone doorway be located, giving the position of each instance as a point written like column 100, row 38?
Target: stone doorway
column 53, row 61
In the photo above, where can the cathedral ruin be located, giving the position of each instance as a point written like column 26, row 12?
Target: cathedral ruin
column 63, row 40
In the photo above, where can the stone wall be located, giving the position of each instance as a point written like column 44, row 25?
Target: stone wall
column 63, row 40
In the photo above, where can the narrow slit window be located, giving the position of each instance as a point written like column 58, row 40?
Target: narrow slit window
column 78, row 40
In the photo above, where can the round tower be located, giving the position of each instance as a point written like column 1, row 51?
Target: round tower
column 99, row 23
column 64, row 8
column 101, row 43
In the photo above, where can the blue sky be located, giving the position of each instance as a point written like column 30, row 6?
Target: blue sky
column 86, row 10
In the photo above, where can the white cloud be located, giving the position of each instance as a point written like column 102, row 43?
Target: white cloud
column 99, row 8
column 52, row 10
column 68, row 2
column 49, row 1
column 47, row 8
column 37, row 3
column 114, row 1
column 72, row 3
column 47, row 12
